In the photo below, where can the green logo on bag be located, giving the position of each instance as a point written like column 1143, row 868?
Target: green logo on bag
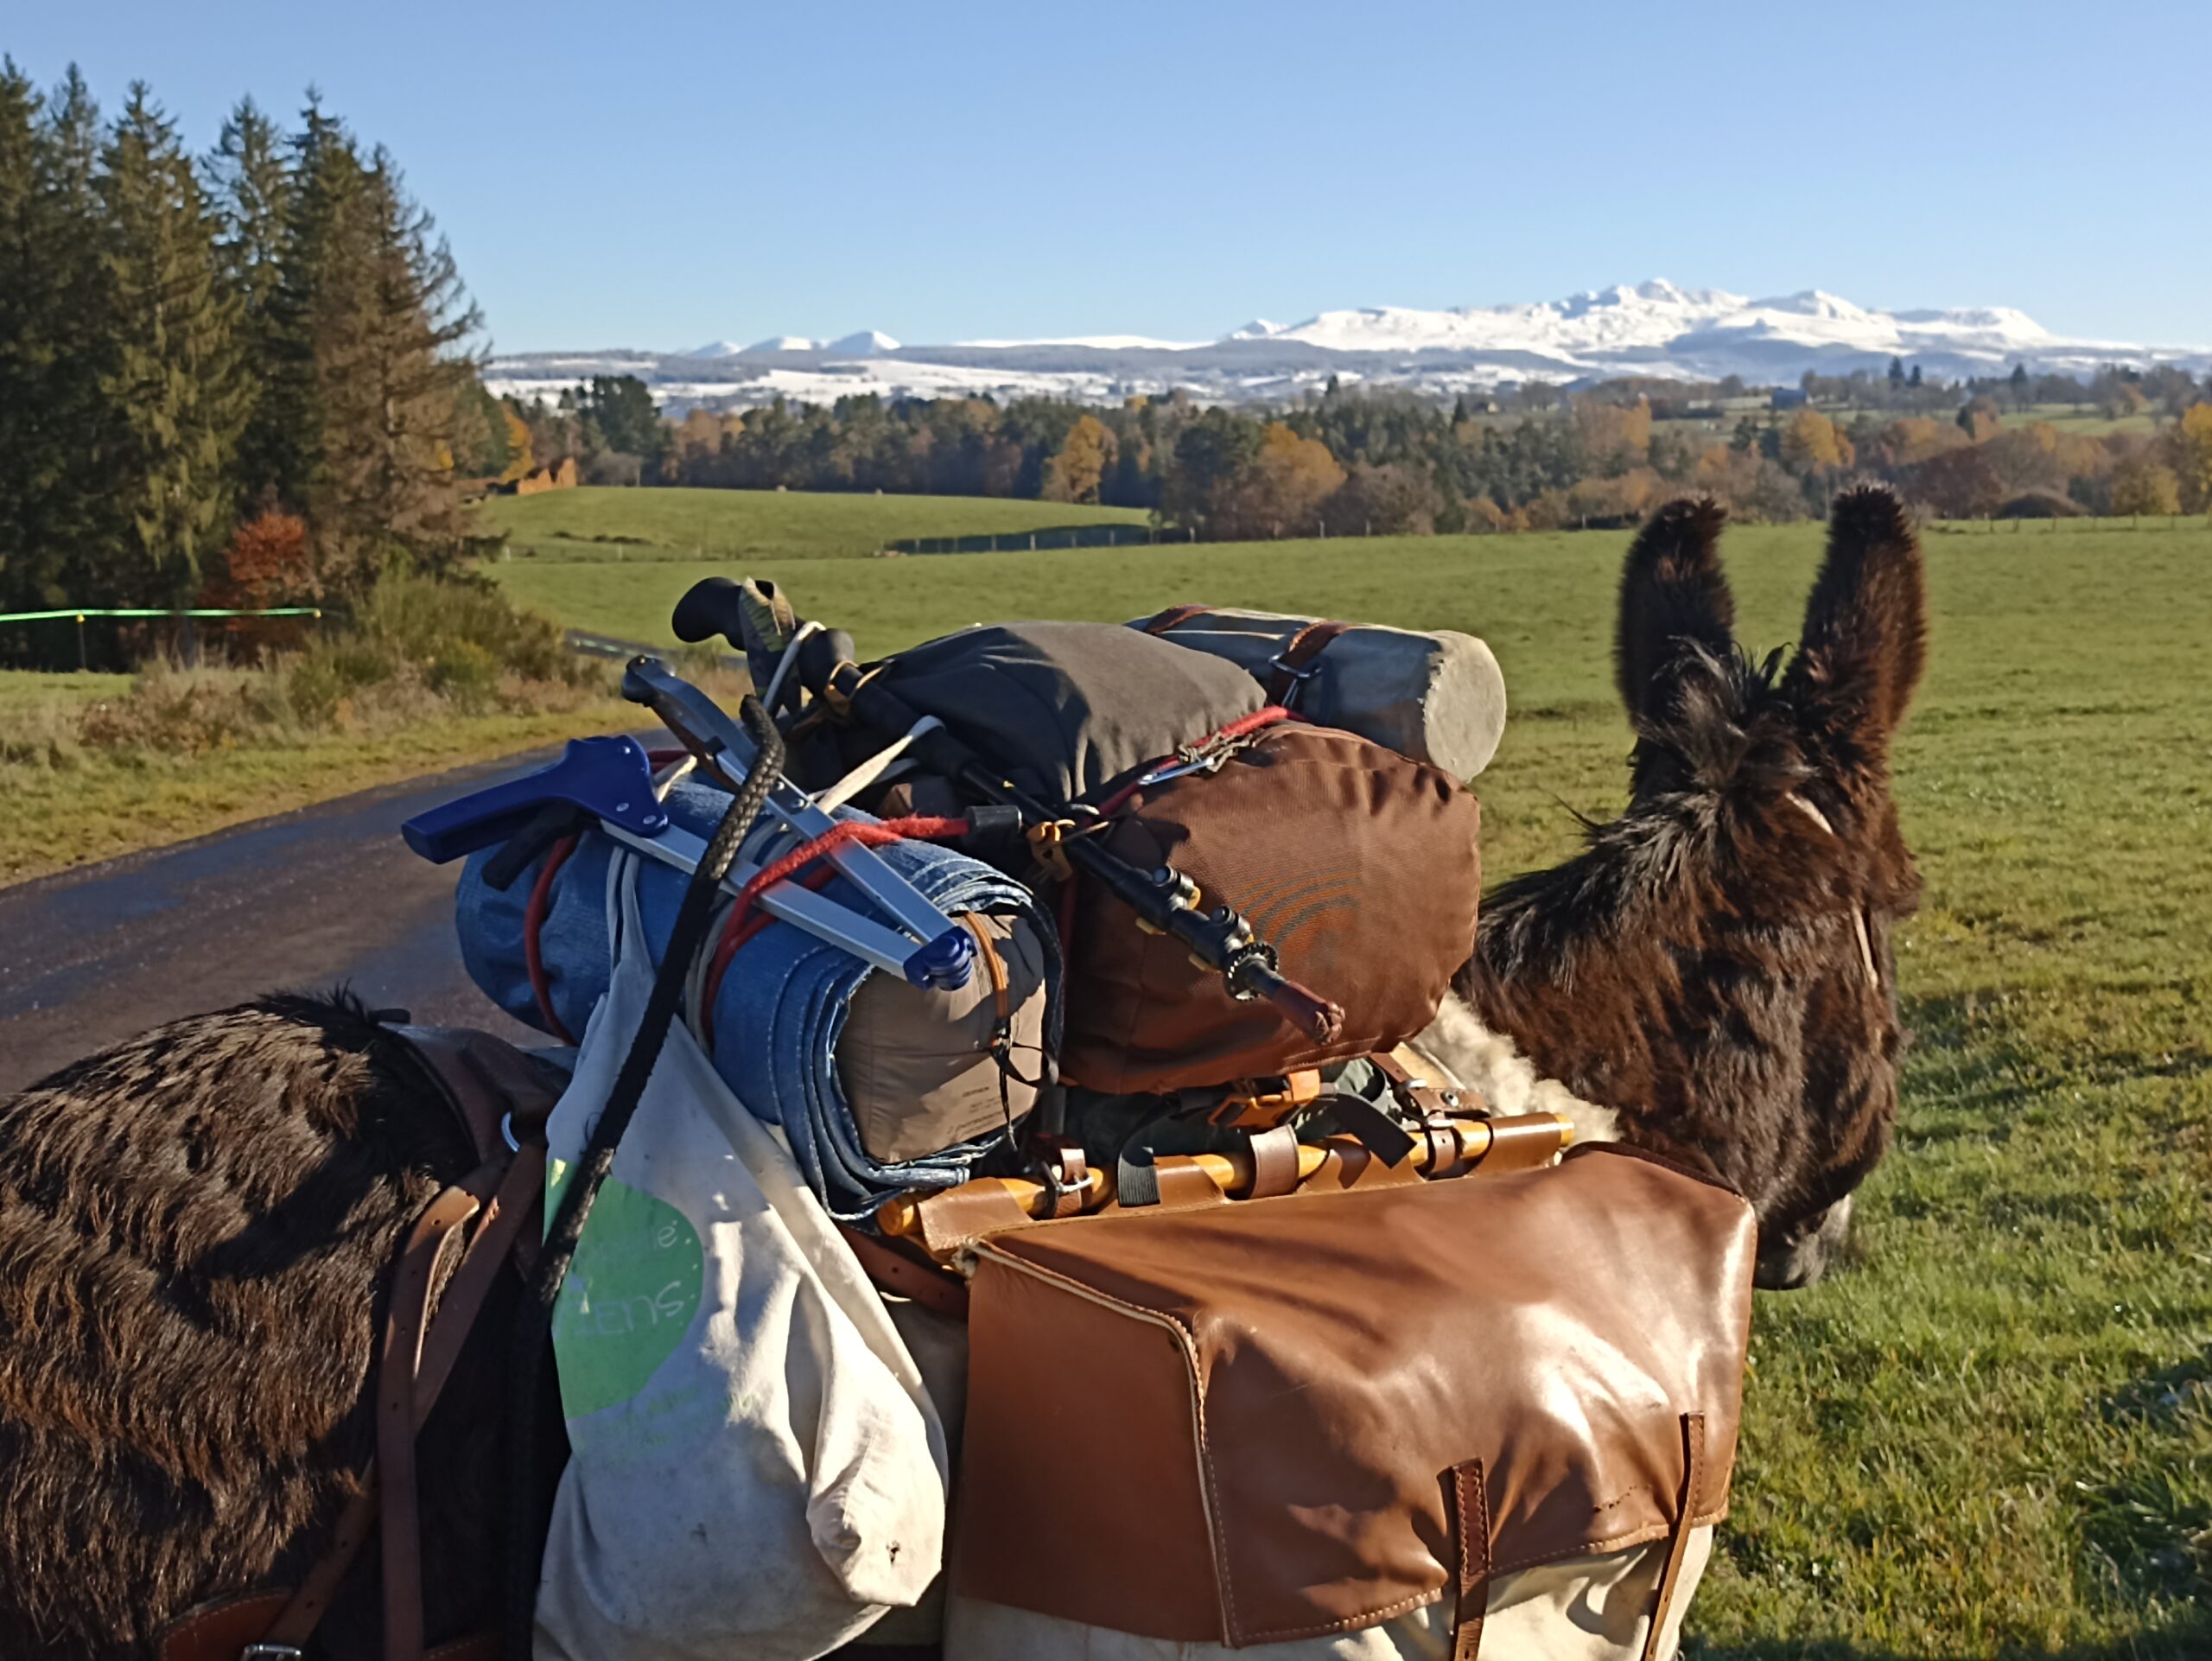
column 630, row 1296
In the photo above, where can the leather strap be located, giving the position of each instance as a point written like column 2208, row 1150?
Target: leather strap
column 1294, row 662
column 1685, row 1521
column 1274, row 1163
column 1173, row 618
column 221, row 1630
column 1418, row 1093
column 891, row 1270
column 503, row 1225
column 400, row 1524
column 1470, row 1536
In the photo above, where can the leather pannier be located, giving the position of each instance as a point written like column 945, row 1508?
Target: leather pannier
column 1255, row 1421
column 1360, row 867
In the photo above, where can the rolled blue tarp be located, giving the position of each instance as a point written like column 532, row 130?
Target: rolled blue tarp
column 781, row 1005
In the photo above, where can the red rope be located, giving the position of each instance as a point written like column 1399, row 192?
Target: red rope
column 743, row 923
column 533, row 921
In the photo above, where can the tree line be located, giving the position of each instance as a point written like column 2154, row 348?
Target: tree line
column 1350, row 461
column 258, row 351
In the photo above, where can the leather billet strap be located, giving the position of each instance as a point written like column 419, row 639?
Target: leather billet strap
column 1470, row 1545
column 891, row 1271
column 1173, row 618
column 1293, row 665
column 504, row 1195
column 1685, row 1522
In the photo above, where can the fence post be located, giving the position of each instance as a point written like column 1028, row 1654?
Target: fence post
column 84, row 664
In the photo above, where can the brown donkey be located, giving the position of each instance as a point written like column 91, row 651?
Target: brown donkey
column 197, row 1227
column 1716, row 968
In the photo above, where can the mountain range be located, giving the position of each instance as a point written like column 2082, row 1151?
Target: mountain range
column 1651, row 329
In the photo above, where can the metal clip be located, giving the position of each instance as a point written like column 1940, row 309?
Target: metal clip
column 1296, row 676
column 1187, row 762
column 272, row 1652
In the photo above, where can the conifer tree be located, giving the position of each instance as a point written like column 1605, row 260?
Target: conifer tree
column 251, row 175
column 385, row 315
column 29, row 301
column 172, row 382
column 54, row 512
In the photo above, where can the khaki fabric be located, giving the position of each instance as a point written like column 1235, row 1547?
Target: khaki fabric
column 1596, row 1608
column 915, row 1062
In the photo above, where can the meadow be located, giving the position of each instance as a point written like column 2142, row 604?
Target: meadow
column 1991, row 1434
column 600, row 524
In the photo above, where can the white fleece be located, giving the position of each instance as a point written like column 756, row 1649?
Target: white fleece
column 1489, row 1064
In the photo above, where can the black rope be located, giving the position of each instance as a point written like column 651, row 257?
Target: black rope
column 533, row 1325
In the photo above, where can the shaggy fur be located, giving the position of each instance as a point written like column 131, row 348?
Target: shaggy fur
column 1716, row 963
column 196, row 1229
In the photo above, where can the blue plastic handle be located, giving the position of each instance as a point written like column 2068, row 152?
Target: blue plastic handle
column 944, row 963
column 608, row 778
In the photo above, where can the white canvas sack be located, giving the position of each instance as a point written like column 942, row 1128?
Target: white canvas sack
column 756, row 1470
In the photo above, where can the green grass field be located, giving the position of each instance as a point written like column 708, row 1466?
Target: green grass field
column 600, row 524
column 1992, row 1435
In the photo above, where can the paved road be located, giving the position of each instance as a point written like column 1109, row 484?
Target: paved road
column 306, row 899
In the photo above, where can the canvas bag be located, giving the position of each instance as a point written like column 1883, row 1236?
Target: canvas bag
column 756, row 1467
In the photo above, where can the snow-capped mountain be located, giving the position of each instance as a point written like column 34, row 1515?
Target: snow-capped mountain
column 1651, row 328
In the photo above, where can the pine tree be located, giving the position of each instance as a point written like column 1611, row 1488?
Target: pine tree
column 173, row 383
column 252, row 180
column 382, row 312
column 54, row 511
column 29, row 305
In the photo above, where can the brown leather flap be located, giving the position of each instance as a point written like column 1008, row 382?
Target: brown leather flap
column 1273, row 1395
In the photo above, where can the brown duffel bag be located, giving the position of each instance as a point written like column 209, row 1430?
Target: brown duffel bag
column 1361, row 868
column 1395, row 1409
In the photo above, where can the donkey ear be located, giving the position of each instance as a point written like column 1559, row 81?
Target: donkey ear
column 1671, row 591
column 1866, row 639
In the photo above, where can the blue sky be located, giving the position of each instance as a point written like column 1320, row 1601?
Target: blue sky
column 663, row 175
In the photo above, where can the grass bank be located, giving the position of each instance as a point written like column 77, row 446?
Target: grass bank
column 1992, row 1435
column 429, row 676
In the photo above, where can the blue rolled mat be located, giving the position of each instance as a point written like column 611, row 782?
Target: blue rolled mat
column 782, row 1003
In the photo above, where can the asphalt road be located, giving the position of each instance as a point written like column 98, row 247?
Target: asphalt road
column 304, row 900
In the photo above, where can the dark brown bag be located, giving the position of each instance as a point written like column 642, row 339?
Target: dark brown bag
column 1256, row 1421
column 1361, row 868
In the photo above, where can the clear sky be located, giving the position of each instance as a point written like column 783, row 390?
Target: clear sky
column 665, row 175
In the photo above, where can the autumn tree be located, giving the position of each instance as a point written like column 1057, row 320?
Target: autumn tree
column 1075, row 470
column 1812, row 442
column 2144, row 485
column 1978, row 417
column 2191, row 445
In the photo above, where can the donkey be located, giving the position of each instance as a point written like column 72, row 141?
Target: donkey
column 196, row 1226
column 1715, row 967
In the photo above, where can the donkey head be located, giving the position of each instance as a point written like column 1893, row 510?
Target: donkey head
column 1716, row 965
